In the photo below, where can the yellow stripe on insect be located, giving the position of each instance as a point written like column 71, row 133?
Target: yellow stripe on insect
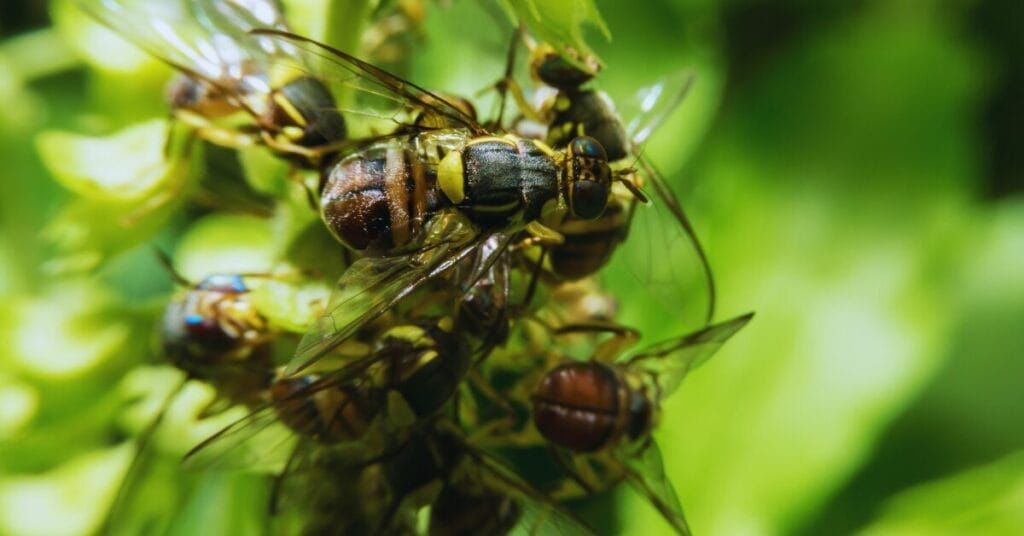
column 410, row 333
column 496, row 208
column 485, row 139
column 289, row 109
column 450, row 177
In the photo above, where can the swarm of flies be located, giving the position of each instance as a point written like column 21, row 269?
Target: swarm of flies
column 469, row 324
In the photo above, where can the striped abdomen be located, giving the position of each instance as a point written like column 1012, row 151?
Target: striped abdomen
column 586, row 407
column 379, row 198
column 589, row 244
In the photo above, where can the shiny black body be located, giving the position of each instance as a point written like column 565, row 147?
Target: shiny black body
column 321, row 122
column 505, row 180
column 589, row 112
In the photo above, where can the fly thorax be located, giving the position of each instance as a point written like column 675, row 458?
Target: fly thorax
column 483, row 179
column 588, row 113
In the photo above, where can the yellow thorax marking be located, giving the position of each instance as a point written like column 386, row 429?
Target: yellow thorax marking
column 485, row 139
column 289, row 109
column 450, row 177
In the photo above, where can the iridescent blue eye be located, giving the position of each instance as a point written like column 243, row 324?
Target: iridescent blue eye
column 228, row 283
column 588, row 147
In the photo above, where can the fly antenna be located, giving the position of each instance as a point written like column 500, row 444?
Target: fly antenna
column 165, row 260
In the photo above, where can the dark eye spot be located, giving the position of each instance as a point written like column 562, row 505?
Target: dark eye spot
column 589, row 199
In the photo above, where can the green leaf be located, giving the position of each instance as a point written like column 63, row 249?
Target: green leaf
column 64, row 333
column 845, row 245
column 291, row 305
column 226, row 244
column 19, row 403
column 264, row 171
column 126, row 166
column 560, row 24
column 985, row 500
column 100, row 46
column 70, row 499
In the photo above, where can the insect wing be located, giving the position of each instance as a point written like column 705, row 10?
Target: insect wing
column 241, row 18
column 345, row 72
column 645, row 471
column 664, row 258
column 665, row 227
column 372, row 285
column 255, row 442
column 539, row 513
column 260, row 440
column 652, row 105
column 244, row 14
column 669, row 362
column 182, row 35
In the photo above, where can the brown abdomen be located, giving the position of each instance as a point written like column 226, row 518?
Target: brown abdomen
column 577, row 406
column 589, row 244
column 379, row 198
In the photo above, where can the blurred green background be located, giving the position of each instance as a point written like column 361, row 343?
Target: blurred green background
column 856, row 171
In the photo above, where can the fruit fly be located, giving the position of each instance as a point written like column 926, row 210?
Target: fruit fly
column 213, row 333
column 378, row 386
column 388, row 386
column 437, row 474
column 599, row 414
column 225, row 72
column 413, row 372
column 566, row 108
column 416, row 204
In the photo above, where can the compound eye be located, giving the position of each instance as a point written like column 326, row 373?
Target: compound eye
column 589, row 199
column 588, row 147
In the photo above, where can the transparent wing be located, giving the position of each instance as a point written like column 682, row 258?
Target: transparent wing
column 244, row 14
column 261, row 441
column 668, row 362
column 670, row 226
column 191, row 37
column 383, row 89
column 645, row 471
column 373, row 285
column 256, row 442
column 538, row 513
column 679, row 229
column 652, row 104
column 241, row 17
